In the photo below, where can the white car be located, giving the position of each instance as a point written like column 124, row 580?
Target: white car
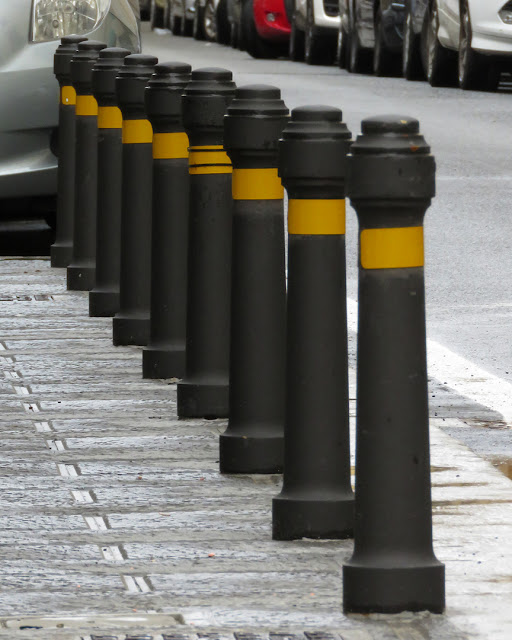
column 314, row 31
column 468, row 39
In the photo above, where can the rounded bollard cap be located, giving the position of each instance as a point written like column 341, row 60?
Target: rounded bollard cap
column 313, row 153
column 131, row 82
column 390, row 134
column 163, row 96
column 253, row 125
column 391, row 160
column 62, row 58
column 83, row 63
column 104, row 75
column 205, row 101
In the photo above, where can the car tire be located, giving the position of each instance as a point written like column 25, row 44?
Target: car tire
column 385, row 62
column 255, row 45
column 188, row 27
column 319, row 47
column 359, row 59
column 198, row 22
column 476, row 71
column 440, row 63
column 341, row 52
column 241, row 34
column 296, row 44
column 223, row 26
column 412, row 68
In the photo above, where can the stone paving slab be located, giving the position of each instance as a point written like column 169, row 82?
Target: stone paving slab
column 115, row 523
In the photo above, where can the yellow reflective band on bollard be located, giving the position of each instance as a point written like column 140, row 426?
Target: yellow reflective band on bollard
column 137, row 132
column 86, row 106
column 170, row 146
column 209, row 160
column 110, row 118
column 257, row 184
column 316, row 217
column 68, row 96
column 396, row 248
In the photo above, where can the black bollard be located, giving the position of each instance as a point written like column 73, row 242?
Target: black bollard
column 104, row 298
column 205, row 390
column 62, row 249
column 82, row 268
column 316, row 500
column 164, row 356
column 393, row 568
column 253, row 441
column 131, row 322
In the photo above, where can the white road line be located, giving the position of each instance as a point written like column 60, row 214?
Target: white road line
column 55, row 445
column 95, row 523
column 83, row 497
column 67, row 470
column 21, row 391
column 31, row 408
column 461, row 375
column 12, row 375
column 42, row 427
column 136, row 584
column 112, row 554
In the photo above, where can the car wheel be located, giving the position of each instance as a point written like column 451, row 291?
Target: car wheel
column 319, row 48
column 241, row 34
column 209, row 24
column 296, row 44
column 188, row 27
column 222, row 25
column 197, row 25
column 475, row 70
column 385, row 62
column 412, row 68
column 255, row 45
column 341, row 52
column 440, row 62
column 359, row 59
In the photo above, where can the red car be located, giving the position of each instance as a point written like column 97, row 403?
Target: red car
column 266, row 28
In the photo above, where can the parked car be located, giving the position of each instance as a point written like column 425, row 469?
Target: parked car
column 469, row 41
column 181, row 17
column 265, row 28
column 159, row 14
column 314, row 29
column 371, row 35
column 414, row 20
column 29, row 34
column 211, row 21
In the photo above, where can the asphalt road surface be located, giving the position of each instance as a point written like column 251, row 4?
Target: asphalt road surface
column 468, row 229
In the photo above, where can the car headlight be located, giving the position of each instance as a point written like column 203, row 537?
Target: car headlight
column 53, row 19
column 505, row 13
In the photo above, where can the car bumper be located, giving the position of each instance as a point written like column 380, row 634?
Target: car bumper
column 322, row 19
column 276, row 29
column 490, row 33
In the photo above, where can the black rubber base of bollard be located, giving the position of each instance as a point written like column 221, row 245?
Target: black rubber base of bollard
column 327, row 519
column 130, row 330
column 103, row 304
column 392, row 590
column 243, row 454
column 163, row 363
column 61, row 255
column 198, row 400
column 81, row 278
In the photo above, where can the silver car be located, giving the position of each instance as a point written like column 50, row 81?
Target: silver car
column 29, row 34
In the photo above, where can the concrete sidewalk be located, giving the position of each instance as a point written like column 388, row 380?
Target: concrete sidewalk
column 116, row 523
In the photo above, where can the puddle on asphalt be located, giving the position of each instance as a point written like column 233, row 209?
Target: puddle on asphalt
column 505, row 466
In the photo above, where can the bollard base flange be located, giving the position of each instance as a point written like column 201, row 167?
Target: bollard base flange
column 163, row 363
column 327, row 519
column 103, row 304
column 392, row 589
column 203, row 400
column 249, row 454
column 61, row 255
column 80, row 278
column 130, row 329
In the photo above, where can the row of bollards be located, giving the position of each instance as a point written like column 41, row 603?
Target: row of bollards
column 171, row 214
